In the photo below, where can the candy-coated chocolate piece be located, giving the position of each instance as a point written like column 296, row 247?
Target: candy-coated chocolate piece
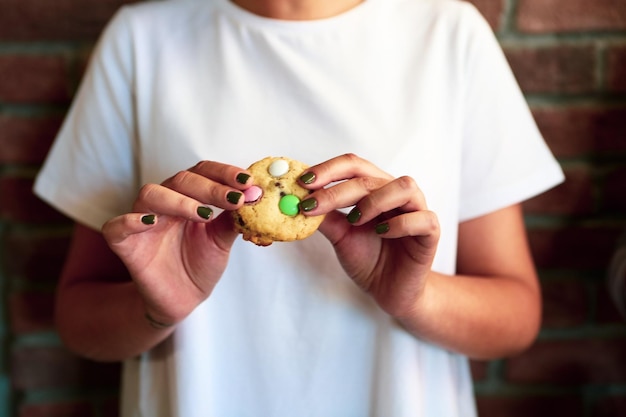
column 278, row 168
column 289, row 205
column 252, row 194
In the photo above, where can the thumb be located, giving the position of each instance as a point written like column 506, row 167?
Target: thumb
column 335, row 226
column 222, row 230
column 121, row 227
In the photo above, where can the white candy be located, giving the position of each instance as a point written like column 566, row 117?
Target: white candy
column 278, row 168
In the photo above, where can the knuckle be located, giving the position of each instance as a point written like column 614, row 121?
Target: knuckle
column 369, row 183
column 407, row 183
column 432, row 223
column 199, row 166
column 332, row 195
column 147, row 191
column 106, row 229
column 351, row 157
column 179, row 179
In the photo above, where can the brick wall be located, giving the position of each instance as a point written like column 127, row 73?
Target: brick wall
column 570, row 59
column 43, row 49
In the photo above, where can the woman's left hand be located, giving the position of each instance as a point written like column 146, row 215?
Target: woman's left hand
column 387, row 242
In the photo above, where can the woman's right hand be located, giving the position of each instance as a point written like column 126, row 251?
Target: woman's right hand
column 173, row 245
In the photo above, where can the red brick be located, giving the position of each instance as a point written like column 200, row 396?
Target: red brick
column 34, row 79
column 526, row 406
column 566, row 303
column 543, row 16
column 575, row 196
column 31, row 312
column 616, row 69
column 554, row 69
column 26, row 140
column 570, row 362
column 111, row 407
column 55, row 367
column 611, row 406
column 492, row 10
column 19, row 204
column 583, row 130
column 34, row 258
column 55, row 20
column 614, row 193
column 606, row 310
column 574, row 247
column 64, row 409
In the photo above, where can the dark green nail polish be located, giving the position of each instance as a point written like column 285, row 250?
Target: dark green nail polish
column 243, row 178
column 233, row 197
column 148, row 219
column 354, row 215
column 204, row 212
column 308, row 178
column 382, row 228
column 308, row 204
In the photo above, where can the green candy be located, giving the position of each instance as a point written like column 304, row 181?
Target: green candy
column 288, row 205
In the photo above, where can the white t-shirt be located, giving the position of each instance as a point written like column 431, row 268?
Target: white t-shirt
column 419, row 87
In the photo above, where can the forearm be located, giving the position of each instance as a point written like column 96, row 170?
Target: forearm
column 105, row 321
column 481, row 317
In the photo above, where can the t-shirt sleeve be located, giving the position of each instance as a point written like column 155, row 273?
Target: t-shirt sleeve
column 505, row 158
column 89, row 174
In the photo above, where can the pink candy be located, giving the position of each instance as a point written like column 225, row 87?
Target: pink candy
column 252, row 194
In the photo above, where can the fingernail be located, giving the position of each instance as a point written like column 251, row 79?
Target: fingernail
column 308, row 204
column 354, row 215
column 308, row 178
column 382, row 228
column 148, row 219
column 204, row 212
column 243, row 178
column 233, row 197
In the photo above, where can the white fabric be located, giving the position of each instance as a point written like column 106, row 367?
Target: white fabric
column 419, row 87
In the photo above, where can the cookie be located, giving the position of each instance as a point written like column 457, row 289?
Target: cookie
column 271, row 212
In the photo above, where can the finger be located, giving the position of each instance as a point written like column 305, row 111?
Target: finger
column 161, row 200
column 401, row 194
column 340, row 168
column 205, row 190
column 418, row 223
column 223, row 173
column 340, row 195
column 212, row 183
column 121, row 227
